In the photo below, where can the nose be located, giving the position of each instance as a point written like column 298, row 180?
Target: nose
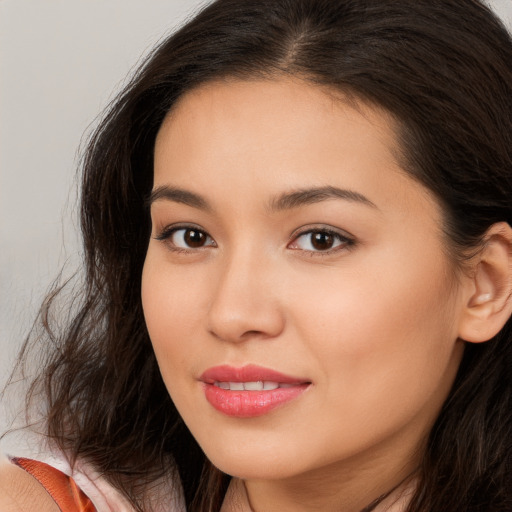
column 245, row 303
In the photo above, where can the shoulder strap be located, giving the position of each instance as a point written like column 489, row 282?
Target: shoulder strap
column 61, row 487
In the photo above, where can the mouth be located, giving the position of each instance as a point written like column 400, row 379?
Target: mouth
column 249, row 391
column 258, row 385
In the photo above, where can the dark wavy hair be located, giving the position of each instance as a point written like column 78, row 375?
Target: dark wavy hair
column 443, row 69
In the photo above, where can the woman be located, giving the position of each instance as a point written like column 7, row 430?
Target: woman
column 298, row 269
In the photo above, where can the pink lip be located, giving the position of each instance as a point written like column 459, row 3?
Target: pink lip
column 249, row 373
column 248, row 404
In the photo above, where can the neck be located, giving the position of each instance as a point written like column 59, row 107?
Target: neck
column 253, row 496
column 313, row 496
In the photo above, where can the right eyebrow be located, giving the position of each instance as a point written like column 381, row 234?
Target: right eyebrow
column 178, row 195
column 302, row 197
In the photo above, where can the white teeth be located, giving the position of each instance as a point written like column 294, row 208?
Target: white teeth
column 251, row 386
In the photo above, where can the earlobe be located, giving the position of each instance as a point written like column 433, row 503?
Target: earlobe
column 489, row 303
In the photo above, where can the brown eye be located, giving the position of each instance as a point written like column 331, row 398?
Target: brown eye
column 322, row 241
column 194, row 238
column 187, row 238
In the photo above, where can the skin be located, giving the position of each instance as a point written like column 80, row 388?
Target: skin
column 20, row 491
column 372, row 323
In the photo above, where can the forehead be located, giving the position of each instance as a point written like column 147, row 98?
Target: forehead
column 253, row 119
column 286, row 99
column 245, row 139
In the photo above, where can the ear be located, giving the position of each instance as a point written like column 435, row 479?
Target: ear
column 488, row 303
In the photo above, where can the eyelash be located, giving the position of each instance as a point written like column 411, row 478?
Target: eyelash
column 166, row 234
column 345, row 242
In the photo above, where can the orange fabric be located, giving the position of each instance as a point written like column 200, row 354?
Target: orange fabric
column 62, row 488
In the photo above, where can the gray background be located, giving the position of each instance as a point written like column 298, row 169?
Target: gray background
column 61, row 61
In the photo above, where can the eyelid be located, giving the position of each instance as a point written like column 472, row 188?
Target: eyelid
column 347, row 240
column 167, row 232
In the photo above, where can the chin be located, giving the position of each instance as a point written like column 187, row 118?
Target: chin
column 253, row 464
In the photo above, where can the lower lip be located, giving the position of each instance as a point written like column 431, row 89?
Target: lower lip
column 248, row 404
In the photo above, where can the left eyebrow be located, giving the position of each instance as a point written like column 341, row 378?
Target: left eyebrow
column 178, row 195
column 301, row 197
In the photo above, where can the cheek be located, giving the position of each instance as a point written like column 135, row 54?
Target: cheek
column 381, row 338
column 171, row 311
column 374, row 307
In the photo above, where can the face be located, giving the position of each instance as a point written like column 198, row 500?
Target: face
column 296, row 288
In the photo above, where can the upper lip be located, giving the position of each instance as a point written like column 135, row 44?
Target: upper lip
column 248, row 373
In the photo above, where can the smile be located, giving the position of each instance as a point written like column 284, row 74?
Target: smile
column 249, row 391
column 252, row 386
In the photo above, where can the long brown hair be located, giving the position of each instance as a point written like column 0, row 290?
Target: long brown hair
column 443, row 69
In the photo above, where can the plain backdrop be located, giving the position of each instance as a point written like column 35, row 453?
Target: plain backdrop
column 61, row 61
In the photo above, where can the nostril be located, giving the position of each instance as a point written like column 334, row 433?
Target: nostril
column 250, row 334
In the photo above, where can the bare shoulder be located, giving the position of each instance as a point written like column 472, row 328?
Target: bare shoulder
column 21, row 492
